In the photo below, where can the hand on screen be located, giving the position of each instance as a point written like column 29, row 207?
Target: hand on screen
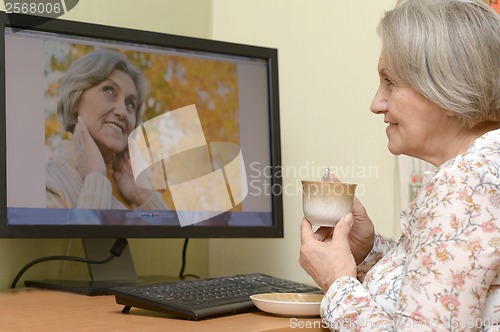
column 126, row 183
column 89, row 157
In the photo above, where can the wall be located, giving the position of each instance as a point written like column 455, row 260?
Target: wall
column 152, row 257
column 328, row 53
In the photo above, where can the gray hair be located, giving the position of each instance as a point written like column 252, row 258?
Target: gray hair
column 88, row 71
column 449, row 51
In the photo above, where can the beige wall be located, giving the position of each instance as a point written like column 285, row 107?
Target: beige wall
column 328, row 51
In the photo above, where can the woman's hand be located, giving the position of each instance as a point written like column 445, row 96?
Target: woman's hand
column 126, row 183
column 88, row 156
column 327, row 256
column 362, row 235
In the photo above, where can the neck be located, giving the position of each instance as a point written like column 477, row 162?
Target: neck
column 458, row 142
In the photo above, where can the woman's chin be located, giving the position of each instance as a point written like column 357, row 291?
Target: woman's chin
column 112, row 150
column 395, row 149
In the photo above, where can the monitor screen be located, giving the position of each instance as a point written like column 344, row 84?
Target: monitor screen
column 117, row 133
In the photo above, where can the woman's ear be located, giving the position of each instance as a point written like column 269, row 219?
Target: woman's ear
column 449, row 113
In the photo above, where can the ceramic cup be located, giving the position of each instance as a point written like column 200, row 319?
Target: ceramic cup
column 324, row 203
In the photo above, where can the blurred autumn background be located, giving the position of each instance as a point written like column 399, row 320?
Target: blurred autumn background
column 495, row 4
column 174, row 82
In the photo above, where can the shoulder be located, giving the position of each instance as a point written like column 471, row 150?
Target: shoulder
column 467, row 183
column 64, row 164
column 61, row 173
column 486, row 148
column 58, row 167
column 480, row 165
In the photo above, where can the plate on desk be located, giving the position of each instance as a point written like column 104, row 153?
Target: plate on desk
column 289, row 304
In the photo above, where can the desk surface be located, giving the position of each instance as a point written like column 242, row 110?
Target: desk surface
column 43, row 310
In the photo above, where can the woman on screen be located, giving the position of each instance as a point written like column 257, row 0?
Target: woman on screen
column 101, row 99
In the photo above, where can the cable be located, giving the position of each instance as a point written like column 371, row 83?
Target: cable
column 184, row 250
column 116, row 250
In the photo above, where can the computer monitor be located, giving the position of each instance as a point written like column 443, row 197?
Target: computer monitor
column 206, row 142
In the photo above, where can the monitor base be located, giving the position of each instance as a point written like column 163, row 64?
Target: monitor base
column 94, row 287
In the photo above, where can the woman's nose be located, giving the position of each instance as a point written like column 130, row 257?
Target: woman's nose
column 379, row 103
column 120, row 108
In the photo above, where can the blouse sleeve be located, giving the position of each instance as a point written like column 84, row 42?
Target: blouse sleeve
column 348, row 306
column 381, row 246
column 154, row 202
column 96, row 192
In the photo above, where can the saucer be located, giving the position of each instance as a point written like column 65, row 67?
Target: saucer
column 289, row 304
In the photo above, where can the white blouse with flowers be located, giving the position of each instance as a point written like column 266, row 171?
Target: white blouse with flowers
column 442, row 273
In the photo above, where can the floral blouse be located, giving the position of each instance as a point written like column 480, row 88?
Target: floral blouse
column 443, row 271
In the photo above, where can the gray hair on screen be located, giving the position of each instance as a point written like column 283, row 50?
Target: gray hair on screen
column 90, row 70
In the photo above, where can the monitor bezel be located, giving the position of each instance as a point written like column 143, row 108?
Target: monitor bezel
column 92, row 30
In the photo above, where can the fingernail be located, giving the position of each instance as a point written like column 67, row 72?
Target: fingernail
column 348, row 218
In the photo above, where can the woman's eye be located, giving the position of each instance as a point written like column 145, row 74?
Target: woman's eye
column 130, row 105
column 109, row 90
column 389, row 81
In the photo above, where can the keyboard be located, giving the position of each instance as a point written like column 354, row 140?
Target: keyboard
column 206, row 297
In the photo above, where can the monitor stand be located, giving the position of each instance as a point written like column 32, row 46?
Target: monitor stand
column 120, row 271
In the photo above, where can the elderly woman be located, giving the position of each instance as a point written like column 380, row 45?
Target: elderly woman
column 101, row 99
column 439, row 95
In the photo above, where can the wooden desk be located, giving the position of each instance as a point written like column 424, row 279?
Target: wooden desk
column 43, row 310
